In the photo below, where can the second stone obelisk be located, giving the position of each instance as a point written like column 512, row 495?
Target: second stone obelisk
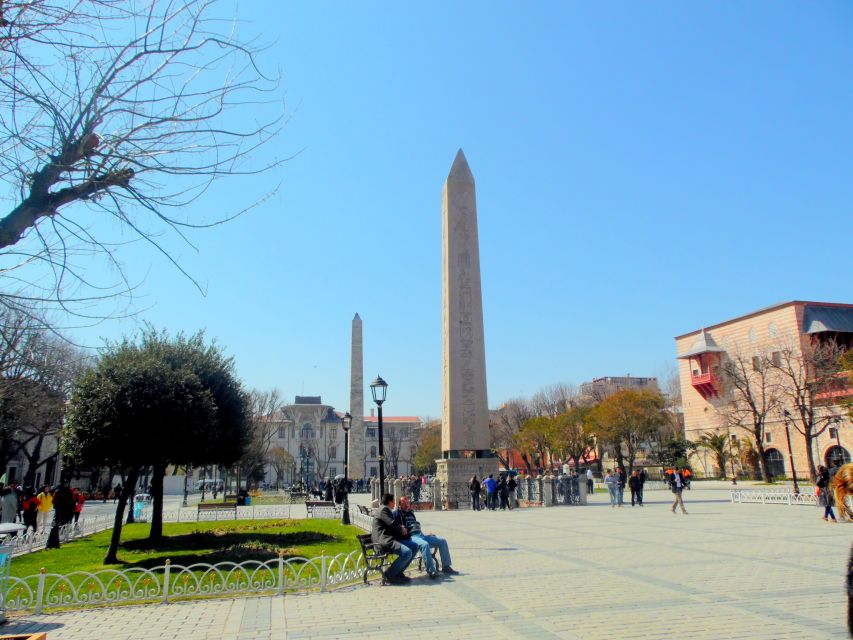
column 465, row 407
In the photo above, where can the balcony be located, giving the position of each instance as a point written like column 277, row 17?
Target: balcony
column 706, row 383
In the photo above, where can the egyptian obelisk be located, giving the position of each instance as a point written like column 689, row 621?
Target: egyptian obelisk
column 356, row 467
column 465, row 408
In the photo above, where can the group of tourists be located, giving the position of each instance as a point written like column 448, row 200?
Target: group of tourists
column 397, row 531
column 617, row 480
column 491, row 492
column 59, row 505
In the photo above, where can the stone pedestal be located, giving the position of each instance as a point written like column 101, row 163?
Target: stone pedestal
column 454, row 474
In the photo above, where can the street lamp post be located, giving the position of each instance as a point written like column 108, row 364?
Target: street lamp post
column 346, row 421
column 787, row 417
column 186, row 479
column 379, row 389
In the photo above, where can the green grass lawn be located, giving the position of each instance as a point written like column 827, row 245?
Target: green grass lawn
column 193, row 542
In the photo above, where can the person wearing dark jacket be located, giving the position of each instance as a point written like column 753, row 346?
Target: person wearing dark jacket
column 474, row 488
column 387, row 533
column 503, row 492
column 623, row 480
column 636, row 486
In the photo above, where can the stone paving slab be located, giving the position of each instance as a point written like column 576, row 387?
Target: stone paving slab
column 723, row 572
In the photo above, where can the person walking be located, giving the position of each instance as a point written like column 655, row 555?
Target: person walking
column 31, row 504
column 511, row 485
column 45, row 507
column 623, row 481
column 677, row 486
column 611, row 480
column 474, row 488
column 642, row 484
column 590, row 487
column 636, row 487
column 824, row 494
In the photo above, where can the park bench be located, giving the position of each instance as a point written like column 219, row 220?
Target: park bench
column 374, row 557
column 217, row 507
column 324, row 507
column 433, row 550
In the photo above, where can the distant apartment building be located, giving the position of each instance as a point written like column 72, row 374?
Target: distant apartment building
column 759, row 339
column 599, row 388
column 311, row 433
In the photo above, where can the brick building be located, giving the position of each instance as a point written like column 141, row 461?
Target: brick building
column 764, row 341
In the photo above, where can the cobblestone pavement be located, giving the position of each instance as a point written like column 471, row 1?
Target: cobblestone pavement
column 723, row 571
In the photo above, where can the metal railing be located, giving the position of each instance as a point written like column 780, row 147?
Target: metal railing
column 787, row 497
column 36, row 540
column 170, row 582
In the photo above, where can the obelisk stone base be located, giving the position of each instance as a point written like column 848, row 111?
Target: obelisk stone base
column 454, row 474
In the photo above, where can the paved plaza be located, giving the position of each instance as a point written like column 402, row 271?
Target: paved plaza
column 724, row 571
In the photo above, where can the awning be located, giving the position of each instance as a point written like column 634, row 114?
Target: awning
column 704, row 344
column 821, row 319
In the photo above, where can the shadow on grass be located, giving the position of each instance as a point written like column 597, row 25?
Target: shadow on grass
column 220, row 546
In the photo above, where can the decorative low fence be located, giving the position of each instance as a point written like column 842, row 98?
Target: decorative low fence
column 192, row 514
column 35, row 540
column 648, row 485
column 174, row 582
column 772, row 497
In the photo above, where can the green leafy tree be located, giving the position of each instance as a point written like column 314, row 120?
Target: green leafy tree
column 629, row 419
column 156, row 402
column 429, row 448
column 573, row 434
column 716, row 443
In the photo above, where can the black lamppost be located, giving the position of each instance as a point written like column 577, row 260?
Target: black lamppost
column 379, row 389
column 346, row 421
column 787, row 417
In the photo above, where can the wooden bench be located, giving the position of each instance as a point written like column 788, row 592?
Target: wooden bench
column 375, row 558
column 217, row 507
column 322, row 505
column 433, row 550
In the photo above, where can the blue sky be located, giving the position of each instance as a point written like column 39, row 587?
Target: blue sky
column 642, row 170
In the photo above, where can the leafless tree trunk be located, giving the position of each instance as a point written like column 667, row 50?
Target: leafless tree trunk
column 750, row 383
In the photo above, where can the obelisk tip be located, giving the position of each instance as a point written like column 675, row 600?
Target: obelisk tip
column 460, row 171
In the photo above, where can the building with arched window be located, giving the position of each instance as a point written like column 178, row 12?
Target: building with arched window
column 782, row 355
column 308, row 443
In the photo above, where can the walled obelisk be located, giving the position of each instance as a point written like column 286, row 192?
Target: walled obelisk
column 356, row 404
column 465, row 439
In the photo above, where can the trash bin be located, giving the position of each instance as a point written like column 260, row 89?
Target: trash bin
column 248, row 501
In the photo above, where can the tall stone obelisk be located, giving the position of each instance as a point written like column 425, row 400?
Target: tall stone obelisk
column 356, row 404
column 465, row 407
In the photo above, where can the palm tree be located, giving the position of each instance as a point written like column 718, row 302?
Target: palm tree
column 716, row 443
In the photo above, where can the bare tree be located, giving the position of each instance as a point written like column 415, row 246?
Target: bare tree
column 392, row 445
column 751, row 384
column 807, row 372
column 553, row 400
column 118, row 118
column 504, row 424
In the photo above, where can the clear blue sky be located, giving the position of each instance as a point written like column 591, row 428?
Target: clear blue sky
column 642, row 170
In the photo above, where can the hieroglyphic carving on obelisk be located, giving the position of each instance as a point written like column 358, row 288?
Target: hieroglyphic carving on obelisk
column 356, row 467
column 465, row 407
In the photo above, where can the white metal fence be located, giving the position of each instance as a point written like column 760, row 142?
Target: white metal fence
column 36, row 540
column 171, row 582
column 773, row 497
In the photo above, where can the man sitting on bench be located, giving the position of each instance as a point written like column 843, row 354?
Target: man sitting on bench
column 388, row 534
column 419, row 541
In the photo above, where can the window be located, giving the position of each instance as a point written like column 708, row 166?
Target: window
column 333, row 471
column 768, row 437
column 753, row 337
column 833, row 433
column 333, row 453
column 777, row 358
column 371, row 432
column 734, row 439
column 282, row 433
column 292, row 432
column 756, row 363
column 372, row 452
column 373, row 472
column 771, row 329
column 307, row 431
column 333, row 433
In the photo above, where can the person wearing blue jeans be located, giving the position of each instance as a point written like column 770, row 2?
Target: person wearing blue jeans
column 612, row 482
column 389, row 535
column 420, row 542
